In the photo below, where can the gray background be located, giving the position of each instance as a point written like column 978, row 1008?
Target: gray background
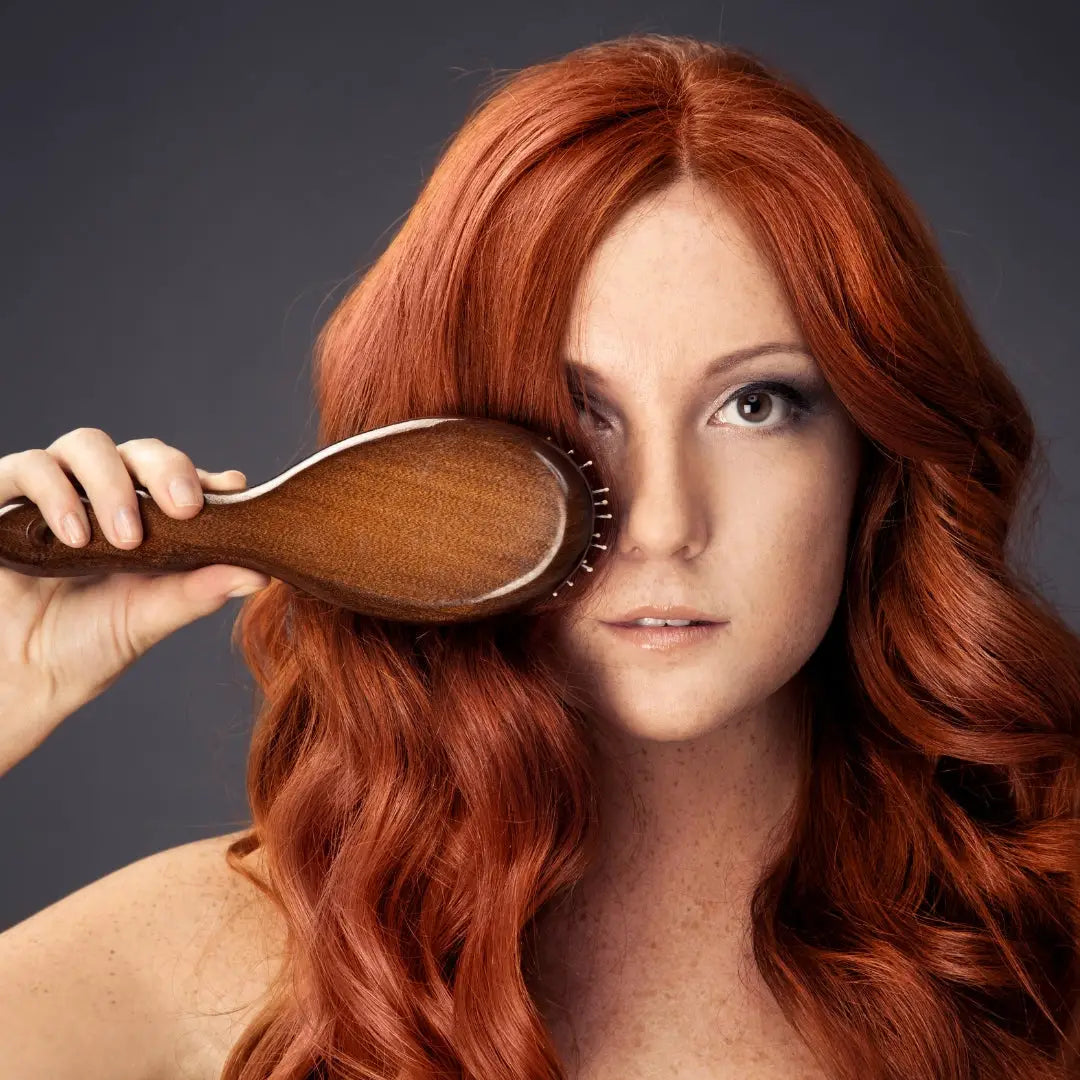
column 188, row 187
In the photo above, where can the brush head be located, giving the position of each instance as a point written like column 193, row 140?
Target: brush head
column 431, row 520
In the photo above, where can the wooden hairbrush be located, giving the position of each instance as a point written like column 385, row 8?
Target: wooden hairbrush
column 432, row 520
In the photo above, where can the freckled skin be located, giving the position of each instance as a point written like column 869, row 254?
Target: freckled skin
column 750, row 527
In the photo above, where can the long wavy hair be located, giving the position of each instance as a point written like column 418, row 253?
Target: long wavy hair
column 421, row 794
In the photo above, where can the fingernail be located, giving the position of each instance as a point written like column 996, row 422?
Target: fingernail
column 73, row 528
column 126, row 528
column 245, row 590
column 183, row 492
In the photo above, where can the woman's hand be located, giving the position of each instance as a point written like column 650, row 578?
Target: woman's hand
column 65, row 640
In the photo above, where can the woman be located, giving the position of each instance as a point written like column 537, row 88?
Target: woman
column 832, row 834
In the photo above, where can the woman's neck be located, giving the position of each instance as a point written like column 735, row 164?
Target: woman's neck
column 659, row 925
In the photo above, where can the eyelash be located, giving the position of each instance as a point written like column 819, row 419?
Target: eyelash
column 800, row 405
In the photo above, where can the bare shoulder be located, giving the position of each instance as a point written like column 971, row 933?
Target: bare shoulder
column 217, row 942
column 149, row 973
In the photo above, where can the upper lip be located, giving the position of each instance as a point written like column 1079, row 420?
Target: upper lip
column 660, row 611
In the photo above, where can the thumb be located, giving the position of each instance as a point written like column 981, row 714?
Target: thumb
column 163, row 604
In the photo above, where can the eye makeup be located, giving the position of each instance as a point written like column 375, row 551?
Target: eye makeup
column 801, row 398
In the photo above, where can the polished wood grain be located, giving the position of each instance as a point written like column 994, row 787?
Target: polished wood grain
column 432, row 520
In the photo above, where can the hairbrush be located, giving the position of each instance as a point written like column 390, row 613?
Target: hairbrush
column 431, row 520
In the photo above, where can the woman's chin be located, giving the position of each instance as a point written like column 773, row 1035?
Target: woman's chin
column 661, row 724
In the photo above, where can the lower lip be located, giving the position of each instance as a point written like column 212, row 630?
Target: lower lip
column 664, row 637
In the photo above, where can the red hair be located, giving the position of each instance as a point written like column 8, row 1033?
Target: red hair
column 419, row 795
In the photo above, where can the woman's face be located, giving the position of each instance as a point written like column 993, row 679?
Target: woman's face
column 738, row 506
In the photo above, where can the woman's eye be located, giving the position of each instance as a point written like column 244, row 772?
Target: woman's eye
column 759, row 404
column 588, row 412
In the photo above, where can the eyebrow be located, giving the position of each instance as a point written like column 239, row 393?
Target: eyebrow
column 719, row 363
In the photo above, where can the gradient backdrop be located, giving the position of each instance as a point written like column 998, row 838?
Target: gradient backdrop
column 187, row 187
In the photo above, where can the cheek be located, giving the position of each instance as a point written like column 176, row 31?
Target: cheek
column 785, row 562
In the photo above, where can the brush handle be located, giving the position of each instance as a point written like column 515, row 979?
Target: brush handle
column 214, row 535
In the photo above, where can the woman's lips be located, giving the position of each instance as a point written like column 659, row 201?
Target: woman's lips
column 664, row 637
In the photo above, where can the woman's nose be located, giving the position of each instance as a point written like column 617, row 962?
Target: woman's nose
column 664, row 505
